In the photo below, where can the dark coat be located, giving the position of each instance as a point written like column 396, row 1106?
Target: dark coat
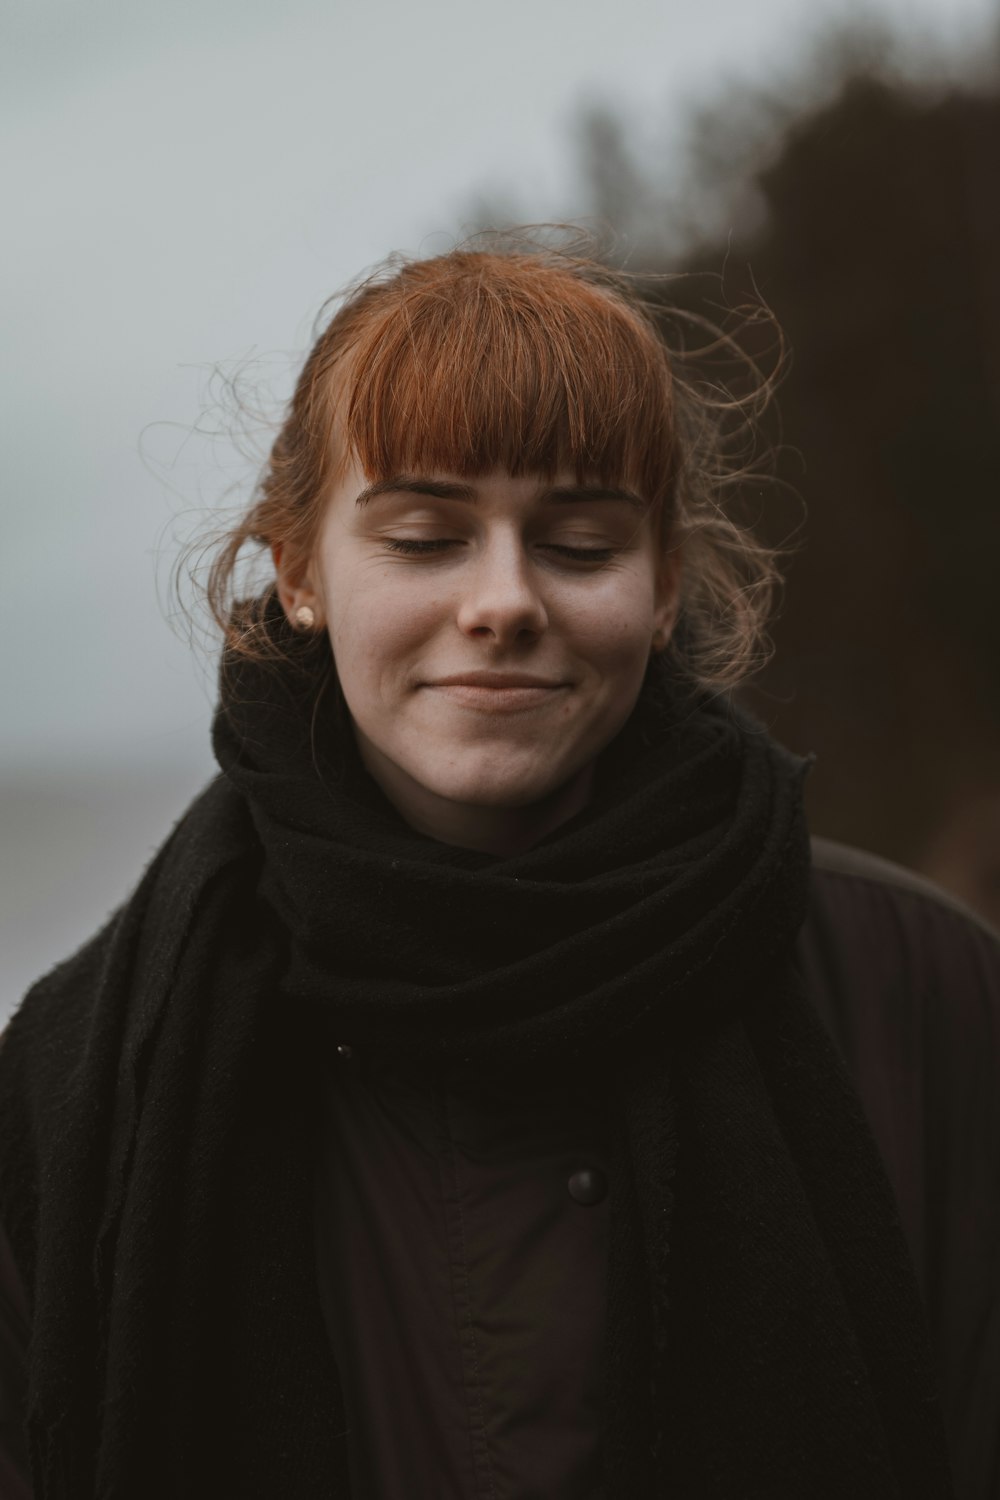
column 462, row 1232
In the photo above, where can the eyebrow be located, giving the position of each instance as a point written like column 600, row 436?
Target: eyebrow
column 445, row 489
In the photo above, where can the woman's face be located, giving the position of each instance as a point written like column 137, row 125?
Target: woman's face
column 491, row 638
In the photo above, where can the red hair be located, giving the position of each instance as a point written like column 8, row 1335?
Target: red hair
column 522, row 358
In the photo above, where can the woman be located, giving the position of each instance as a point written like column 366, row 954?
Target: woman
column 484, row 1093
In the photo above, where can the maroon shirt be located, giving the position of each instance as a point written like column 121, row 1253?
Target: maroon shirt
column 462, row 1232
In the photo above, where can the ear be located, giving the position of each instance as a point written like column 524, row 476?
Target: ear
column 668, row 595
column 295, row 590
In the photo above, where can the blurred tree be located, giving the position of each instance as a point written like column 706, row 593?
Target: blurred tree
column 870, row 223
column 877, row 254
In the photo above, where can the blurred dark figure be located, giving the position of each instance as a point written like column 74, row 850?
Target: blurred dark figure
column 874, row 236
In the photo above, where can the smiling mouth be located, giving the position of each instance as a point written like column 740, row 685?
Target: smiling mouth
column 502, row 694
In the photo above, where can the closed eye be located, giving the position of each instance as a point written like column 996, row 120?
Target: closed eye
column 408, row 545
column 411, row 547
column 581, row 554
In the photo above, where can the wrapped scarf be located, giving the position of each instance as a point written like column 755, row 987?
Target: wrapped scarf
column 157, row 1136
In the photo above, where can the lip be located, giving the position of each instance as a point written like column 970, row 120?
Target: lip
column 496, row 680
column 498, row 692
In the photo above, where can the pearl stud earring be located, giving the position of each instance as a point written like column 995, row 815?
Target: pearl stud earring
column 304, row 617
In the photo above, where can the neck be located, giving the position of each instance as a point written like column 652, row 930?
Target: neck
column 503, row 831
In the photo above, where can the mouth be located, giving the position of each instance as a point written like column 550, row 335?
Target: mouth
column 498, row 692
column 498, row 680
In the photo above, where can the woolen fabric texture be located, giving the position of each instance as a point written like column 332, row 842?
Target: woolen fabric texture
column 157, row 1130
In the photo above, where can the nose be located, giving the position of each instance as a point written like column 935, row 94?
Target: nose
column 500, row 594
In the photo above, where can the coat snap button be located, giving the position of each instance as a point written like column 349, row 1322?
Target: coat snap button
column 588, row 1186
column 344, row 1049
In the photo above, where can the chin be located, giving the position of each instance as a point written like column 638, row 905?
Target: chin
column 485, row 788
column 499, row 795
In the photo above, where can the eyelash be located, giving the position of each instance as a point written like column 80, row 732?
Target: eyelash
column 411, row 548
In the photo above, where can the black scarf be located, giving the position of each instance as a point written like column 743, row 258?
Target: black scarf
column 765, row 1336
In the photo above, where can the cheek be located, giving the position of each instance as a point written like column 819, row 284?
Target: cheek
column 616, row 625
column 372, row 630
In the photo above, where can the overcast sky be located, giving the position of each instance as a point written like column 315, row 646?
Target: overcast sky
column 183, row 186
